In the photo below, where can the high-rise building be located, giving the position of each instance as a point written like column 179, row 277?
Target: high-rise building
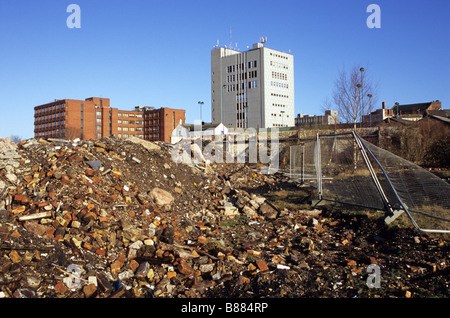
column 253, row 88
column 93, row 118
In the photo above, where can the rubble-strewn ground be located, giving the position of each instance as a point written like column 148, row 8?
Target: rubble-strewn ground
column 121, row 219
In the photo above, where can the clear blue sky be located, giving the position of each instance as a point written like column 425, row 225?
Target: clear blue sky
column 157, row 53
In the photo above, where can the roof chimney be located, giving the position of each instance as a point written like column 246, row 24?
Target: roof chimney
column 383, row 105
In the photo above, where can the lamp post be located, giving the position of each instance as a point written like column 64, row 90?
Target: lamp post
column 201, row 105
column 356, row 103
column 370, row 113
column 362, row 92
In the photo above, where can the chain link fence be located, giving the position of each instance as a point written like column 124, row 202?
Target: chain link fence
column 347, row 169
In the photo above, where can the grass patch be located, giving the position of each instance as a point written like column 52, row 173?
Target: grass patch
column 289, row 199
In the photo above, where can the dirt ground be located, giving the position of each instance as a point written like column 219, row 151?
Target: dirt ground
column 113, row 219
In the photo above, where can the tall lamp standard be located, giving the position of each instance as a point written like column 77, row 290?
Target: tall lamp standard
column 362, row 93
column 356, row 103
column 201, row 105
column 370, row 113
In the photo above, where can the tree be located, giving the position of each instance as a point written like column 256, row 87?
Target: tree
column 438, row 154
column 71, row 133
column 354, row 95
column 15, row 138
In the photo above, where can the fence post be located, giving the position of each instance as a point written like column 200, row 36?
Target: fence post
column 302, row 168
column 318, row 161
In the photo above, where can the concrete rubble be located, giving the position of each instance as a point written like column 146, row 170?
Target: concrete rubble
column 118, row 218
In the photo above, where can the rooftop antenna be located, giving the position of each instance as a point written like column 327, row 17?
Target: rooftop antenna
column 231, row 38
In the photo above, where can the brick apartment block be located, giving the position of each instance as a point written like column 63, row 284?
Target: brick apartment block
column 93, row 118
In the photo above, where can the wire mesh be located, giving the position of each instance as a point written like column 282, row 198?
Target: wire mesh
column 424, row 194
column 345, row 176
column 335, row 165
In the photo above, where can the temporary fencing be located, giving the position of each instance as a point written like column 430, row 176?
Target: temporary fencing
column 347, row 169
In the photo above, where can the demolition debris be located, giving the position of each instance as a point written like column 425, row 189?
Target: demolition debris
column 118, row 218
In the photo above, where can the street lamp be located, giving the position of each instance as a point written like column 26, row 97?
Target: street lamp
column 362, row 92
column 370, row 113
column 356, row 103
column 201, row 104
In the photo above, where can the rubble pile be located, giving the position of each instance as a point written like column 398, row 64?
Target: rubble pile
column 119, row 218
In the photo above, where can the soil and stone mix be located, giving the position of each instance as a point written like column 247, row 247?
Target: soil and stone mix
column 119, row 218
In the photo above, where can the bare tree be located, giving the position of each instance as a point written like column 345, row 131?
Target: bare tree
column 354, row 95
column 15, row 138
column 71, row 133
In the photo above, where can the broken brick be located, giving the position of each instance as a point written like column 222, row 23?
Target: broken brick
column 262, row 265
column 60, row 288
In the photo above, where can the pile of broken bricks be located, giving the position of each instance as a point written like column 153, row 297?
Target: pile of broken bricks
column 119, row 218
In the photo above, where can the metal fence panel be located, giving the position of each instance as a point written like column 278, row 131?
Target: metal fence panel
column 347, row 169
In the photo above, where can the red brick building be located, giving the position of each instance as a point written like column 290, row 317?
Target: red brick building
column 93, row 118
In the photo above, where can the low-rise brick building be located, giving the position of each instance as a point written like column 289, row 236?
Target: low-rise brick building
column 93, row 118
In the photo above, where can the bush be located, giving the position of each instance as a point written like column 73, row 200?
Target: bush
column 438, row 154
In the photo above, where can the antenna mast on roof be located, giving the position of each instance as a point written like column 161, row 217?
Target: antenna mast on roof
column 231, row 38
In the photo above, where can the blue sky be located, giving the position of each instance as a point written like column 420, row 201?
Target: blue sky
column 157, row 53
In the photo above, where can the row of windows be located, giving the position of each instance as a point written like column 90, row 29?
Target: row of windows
column 129, row 115
column 130, row 122
column 49, row 108
column 241, row 66
column 242, row 76
column 278, row 105
column 129, row 129
column 241, row 86
column 241, row 107
column 279, row 115
column 278, row 75
column 279, row 55
column 241, row 96
column 50, row 133
column 240, row 116
column 50, row 116
column 49, row 125
column 153, row 122
column 126, row 136
column 278, row 84
column 151, row 115
column 279, row 95
column 279, row 65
